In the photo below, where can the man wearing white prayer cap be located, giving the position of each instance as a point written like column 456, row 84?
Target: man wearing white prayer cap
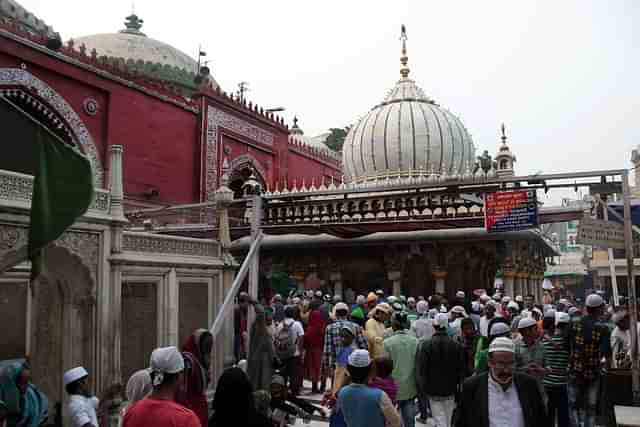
column 530, row 352
column 160, row 408
column 440, row 368
column 501, row 397
column 584, row 365
column 621, row 340
column 81, row 407
column 362, row 405
column 489, row 314
column 422, row 328
column 556, row 326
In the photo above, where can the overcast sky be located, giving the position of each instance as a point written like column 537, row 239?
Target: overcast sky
column 562, row 75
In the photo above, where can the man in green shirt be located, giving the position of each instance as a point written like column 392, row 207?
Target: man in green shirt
column 401, row 348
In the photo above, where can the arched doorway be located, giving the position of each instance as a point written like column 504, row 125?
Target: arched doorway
column 241, row 168
column 239, row 177
column 62, row 322
column 40, row 101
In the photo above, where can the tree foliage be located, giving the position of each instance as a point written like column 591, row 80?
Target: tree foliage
column 335, row 140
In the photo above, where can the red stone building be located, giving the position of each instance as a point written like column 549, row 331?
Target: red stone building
column 175, row 123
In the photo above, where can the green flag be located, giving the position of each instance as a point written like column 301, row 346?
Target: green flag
column 62, row 192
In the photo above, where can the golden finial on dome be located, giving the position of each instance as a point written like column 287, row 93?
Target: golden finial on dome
column 404, row 70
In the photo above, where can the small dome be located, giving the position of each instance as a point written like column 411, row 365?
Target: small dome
column 296, row 134
column 407, row 134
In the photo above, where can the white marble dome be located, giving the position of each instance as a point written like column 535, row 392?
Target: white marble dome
column 407, row 134
column 136, row 47
column 132, row 44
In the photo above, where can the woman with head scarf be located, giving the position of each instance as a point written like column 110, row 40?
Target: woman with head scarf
column 261, row 355
column 234, row 402
column 26, row 406
column 197, row 358
column 138, row 387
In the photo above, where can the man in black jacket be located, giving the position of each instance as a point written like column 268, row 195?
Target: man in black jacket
column 440, row 368
column 501, row 397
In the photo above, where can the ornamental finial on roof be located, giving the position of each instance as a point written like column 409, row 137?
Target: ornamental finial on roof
column 504, row 135
column 133, row 24
column 295, row 129
column 404, row 69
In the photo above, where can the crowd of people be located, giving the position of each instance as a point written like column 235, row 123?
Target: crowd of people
column 477, row 359
column 377, row 360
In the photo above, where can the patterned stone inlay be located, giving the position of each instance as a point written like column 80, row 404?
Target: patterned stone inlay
column 218, row 118
column 168, row 245
column 15, row 186
column 20, row 77
column 100, row 201
column 12, row 237
column 84, row 245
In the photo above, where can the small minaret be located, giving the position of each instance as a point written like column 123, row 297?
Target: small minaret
column 505, row 158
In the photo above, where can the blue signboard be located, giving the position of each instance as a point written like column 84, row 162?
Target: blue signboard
column 510, row 211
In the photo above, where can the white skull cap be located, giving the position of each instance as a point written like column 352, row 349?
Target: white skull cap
column 562, row 317
column 74, row 375
column 442, row 320
column 594, row 300
column 526, row 322
column 502, row 344
column 499, row 328
column 166, row 360
column 359, row 359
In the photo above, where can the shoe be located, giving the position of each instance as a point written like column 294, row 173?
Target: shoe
column 421, row 420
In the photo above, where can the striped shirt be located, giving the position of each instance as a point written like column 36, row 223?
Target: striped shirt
column 557, row 355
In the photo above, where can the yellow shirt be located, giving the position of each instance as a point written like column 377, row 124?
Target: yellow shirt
column 374, row 331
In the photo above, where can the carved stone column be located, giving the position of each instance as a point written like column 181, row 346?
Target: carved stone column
column 440, row 276
column 394, row 259
column 172, row 309
column 116, row 189
column 336, row 278
column 224, row 341
column 509, row 283
column 396, row 278
column 524, row 283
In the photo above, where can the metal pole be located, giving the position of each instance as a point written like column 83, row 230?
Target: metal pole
column 633, row 306
column 237, row 283
column 612, row 263
column 254, row 269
